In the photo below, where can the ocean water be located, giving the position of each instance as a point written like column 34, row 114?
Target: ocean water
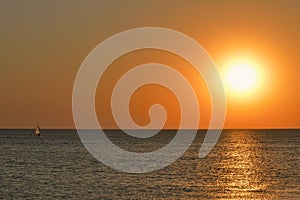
column 245, row 164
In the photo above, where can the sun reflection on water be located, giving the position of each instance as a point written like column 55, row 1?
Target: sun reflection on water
column 241, row 166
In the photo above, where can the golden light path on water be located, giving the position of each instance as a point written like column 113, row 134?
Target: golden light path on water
column 238, row 166
column 242, row 169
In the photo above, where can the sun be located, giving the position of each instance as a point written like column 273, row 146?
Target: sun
column 241, row 77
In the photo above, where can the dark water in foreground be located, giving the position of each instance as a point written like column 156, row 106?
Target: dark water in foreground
column 243, row 165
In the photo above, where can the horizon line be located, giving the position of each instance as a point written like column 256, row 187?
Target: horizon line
column 117, row 129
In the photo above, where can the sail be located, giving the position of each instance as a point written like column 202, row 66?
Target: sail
column 37, row 131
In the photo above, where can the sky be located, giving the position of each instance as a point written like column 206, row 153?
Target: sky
column 43, row 44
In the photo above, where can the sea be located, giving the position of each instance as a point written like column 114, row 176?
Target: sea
column 244, row 164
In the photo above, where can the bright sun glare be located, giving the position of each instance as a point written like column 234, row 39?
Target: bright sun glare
column 241, row 77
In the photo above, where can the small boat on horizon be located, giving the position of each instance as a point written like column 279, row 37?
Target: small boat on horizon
column 37, row 131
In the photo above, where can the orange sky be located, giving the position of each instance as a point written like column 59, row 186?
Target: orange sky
column 44, row 43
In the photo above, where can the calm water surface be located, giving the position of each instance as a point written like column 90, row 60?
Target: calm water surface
column 245, row 164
